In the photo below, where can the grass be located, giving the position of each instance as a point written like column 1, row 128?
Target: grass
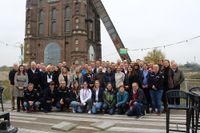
column 6, row 93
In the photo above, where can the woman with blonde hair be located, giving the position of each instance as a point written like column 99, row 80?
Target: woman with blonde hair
column 66, row 76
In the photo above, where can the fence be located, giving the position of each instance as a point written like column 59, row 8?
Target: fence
column 189, row 83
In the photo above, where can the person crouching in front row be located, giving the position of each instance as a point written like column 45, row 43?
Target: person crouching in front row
column 97, row 97
column 63, row 96
column 137, row 101
column 109, row 98
column 86, row 98
column 49, row 97
column 122, row 100
column 31, row 102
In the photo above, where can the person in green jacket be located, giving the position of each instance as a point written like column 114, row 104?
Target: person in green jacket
column 109, row 99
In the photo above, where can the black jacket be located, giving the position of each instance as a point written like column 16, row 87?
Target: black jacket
column 35, row 78
column 31, row 95
column 156, row 80
column 64, row 94
column 100, row 95
column 140, row 97
column 49, row 95
column 12, row 76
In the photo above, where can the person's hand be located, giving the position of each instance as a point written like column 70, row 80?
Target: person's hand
column 52, row 100
column 116, row 105
column 31, row 103
column 48, row 101
column 61, row 101
column 134, row 103
column 126, row 86
column 94, row 103
column 84, row 104
column 153, row 87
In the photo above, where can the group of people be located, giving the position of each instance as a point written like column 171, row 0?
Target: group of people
column 131, row 88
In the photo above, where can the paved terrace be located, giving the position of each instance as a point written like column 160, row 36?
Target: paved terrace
column 39, row 122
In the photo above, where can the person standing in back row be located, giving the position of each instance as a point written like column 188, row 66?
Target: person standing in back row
column 12, row 89
column 21, row 82
column 178, row 78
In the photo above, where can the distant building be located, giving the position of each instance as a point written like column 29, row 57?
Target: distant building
column 62, row 30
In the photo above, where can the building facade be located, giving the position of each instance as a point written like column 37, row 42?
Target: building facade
column 62, row 30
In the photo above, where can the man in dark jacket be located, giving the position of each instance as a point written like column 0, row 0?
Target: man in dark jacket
column 49, row 97
column 156, row 85
column 137, row 101
column 101, row 77
column 178, row 78
column 63, row 96
column 31, row 98
column 34, row 76
column 11, row 79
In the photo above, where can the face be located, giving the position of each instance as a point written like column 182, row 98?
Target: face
column 166, row 63
column 63, row 84
column 33, row 66
column 130, row 69
column 85, row 85
column 118, row 69
column 109, row 87
column 174, row 66
column 97, row 84
column 15, row 66
column 145, row 67
column 155, row 68
column 121, row 89
column 21, row 68
column 51, row 86
column 30, row 87
column 135, row 87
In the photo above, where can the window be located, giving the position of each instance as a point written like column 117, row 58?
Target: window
column 77, row 7
column 67, row 12
column 41, row 28
column 53, row 21
column 67, row 26
column 41, row 16
column 53, row 27
column 54, row 14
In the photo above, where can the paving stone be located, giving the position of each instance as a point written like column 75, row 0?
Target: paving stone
column 64, row 126
column 103, row 125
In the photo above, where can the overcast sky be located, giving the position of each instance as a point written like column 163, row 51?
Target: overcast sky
column 140, row 24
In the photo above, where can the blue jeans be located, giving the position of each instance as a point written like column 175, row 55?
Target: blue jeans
column 76, row 106
column 34, row 106
column 97, row 106
column 156, row 97
column 110, row 110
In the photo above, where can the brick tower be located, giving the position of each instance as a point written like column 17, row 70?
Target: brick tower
column 62, row 30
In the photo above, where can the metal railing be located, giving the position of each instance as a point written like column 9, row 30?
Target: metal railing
column 189, row 83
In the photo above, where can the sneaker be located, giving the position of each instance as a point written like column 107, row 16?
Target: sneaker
column 89, row 112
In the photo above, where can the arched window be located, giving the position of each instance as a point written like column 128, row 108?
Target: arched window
column 54, row 14
column 52, row 54
column 41, row 16
column 67, row 12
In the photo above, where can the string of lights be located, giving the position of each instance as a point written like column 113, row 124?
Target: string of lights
column 166, row 45
column 160, row 46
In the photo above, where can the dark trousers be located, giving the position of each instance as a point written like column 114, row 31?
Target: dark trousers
column 176, row 100
column 20, row 101
column 136, row 110
column 148, row 98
